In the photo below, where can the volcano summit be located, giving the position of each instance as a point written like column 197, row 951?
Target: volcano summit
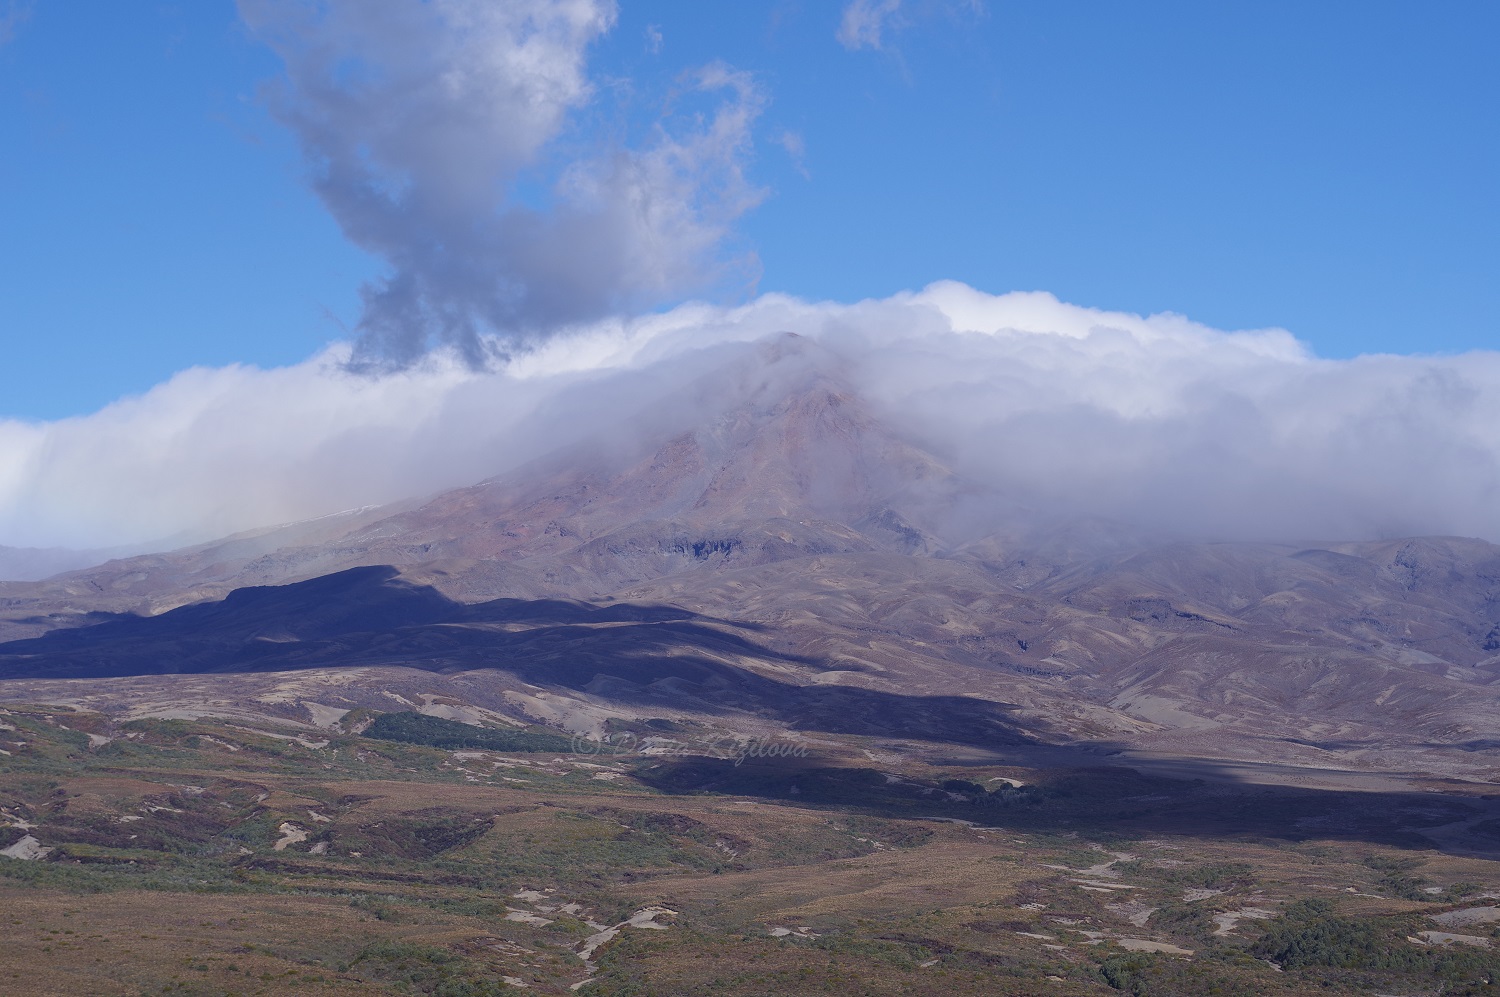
column 795, row 548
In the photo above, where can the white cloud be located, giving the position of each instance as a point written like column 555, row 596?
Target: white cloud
column 1154, row 420
column 442, row 137
column 796, row 150
column 871, row 23
column 864, row 22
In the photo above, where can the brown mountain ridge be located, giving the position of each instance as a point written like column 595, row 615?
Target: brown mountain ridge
column 801, row 550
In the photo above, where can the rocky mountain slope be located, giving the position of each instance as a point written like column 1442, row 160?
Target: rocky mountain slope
column 792, row 546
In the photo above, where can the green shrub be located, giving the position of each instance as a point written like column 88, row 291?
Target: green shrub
column 1308, row 933
column 436, row 732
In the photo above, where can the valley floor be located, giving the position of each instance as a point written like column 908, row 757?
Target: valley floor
column 220, row 857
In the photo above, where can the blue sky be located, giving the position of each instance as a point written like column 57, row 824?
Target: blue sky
column 1326, row 168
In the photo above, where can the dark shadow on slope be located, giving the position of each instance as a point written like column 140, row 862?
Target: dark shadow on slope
column 360, row 599
column 303, row 624
column 665, row 656
column 1110, row 803
column 643, row 655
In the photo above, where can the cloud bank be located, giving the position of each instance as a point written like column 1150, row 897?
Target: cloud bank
column 440, row 137
column 1155, row 421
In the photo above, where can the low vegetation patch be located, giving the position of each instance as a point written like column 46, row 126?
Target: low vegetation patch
column 437, row 732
